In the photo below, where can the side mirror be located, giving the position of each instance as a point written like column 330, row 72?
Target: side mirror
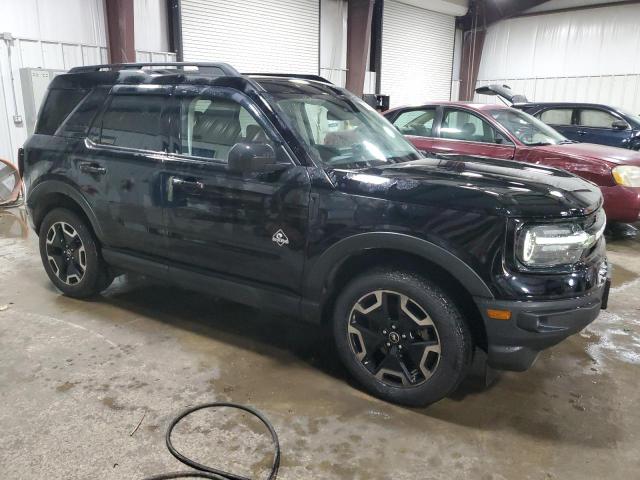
column 251, row 157
column 619, row 125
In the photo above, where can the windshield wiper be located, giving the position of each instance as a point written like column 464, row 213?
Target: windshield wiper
column 565, row 142
column 538, row 144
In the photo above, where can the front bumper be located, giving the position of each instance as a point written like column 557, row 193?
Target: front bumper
column 514, row 344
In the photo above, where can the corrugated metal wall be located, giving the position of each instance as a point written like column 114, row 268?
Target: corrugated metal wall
column 586, row 55
column 417, row 54
column 253, row 35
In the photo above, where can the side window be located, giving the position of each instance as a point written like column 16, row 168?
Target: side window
column 59, row 104
column 596, row 119
column 78, row 122
column 211, row 126
column 557, row 116
column 134, row 121
column 416, row 122
column 463, row 125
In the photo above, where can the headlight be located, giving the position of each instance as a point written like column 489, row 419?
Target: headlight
column 552, row 245
column 627, row 175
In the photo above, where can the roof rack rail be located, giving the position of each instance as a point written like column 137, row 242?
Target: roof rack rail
column 301, row 76
column 226, row 69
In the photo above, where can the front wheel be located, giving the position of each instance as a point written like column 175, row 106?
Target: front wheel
column 402, row 337
column 71, row 256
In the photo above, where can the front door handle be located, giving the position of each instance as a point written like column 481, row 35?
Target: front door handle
column 192, row 186
column 187, row 184
column 92, row 168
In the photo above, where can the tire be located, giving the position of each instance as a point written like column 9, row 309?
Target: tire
column 417, row 369
column 71, row 255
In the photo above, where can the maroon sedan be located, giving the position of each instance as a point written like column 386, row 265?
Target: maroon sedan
column 502, row 132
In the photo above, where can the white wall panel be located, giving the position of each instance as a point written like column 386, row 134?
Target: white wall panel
column 417, row 54
column 253, row 35
column 151, row 27
column 585, row 55
column 333, row 41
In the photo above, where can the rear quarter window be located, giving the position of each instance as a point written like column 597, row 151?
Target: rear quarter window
column 57, row 107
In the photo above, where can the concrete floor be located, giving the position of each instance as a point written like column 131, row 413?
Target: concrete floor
column 77, row 377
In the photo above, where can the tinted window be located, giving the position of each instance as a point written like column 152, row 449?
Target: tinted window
column 210, row 126
column 78, row 122
column 557, row 116
column 134, row 121
column 596, row 119
column 462, row 125
column 57, row 107
column 416, row 122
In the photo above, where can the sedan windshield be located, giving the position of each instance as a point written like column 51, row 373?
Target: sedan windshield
column 528, row 129
column 341, row 131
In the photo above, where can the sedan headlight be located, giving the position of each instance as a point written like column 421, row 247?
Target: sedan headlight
column 540, row 246
column 627, row 175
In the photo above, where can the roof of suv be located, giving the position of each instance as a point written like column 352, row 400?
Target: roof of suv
column 171, row 73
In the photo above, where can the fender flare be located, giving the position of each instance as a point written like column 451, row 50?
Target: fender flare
column 53, row 186
column 328, row 263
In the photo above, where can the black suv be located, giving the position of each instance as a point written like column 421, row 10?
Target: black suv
column 292, row 195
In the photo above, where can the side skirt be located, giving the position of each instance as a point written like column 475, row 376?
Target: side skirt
column 251, row 294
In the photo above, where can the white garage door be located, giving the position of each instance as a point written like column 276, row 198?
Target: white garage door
column 278, row 36
column 417, row 54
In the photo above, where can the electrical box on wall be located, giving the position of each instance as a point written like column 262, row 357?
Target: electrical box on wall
column 34, row 82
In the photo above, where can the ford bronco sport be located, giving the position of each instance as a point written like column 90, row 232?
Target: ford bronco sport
column 290, row 194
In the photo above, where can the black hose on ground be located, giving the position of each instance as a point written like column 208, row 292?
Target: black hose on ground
column 205, row 471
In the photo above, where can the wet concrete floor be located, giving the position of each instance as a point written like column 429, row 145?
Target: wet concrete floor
column 87, row 389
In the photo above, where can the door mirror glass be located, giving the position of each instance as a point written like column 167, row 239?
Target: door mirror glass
column 619, row 125
column 251, row 157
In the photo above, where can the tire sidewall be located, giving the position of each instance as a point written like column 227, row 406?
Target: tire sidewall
column 454, row 336
column 91, row 278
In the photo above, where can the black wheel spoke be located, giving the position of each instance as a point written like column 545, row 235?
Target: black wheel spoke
column 394, row 338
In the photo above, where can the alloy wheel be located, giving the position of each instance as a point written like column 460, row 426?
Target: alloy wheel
column 394, row 338
column 66, row 253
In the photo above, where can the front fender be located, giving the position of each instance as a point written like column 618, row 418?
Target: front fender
column 328, row 263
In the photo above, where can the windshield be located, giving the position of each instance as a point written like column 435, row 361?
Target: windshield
column 634, row 117
column 342, row 131
column 528, row 129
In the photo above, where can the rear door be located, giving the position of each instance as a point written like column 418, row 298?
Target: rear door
column 597, row 125
column 463, row 132
column 118, row 170
column 418, row 125
column 247, row 227
column 564, row 120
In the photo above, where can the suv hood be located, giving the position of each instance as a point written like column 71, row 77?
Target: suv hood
column 503, row 91
column 612, row 155
column 494, row 187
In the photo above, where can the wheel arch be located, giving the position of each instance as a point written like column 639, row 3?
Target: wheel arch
column 52, row 194
column 363, row 252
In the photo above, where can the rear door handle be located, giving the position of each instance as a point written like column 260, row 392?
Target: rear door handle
column 93, row 168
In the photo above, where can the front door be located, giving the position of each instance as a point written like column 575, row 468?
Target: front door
column 600, row 126
column 248, row 227
column 462, row 132
column 118, row 168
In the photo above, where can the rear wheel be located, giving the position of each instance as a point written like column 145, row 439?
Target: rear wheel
column 402, row 337
column 70, row 255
